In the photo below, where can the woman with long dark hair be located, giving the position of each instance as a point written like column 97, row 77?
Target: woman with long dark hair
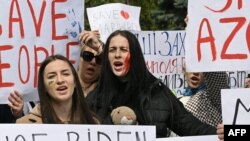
column 126, row 81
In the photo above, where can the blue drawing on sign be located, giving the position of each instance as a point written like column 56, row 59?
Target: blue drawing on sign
column 74, row 27
column 80, row 28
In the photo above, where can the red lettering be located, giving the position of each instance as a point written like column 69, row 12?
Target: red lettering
column 228, row 4
column 240, row 21
column 174, row 64
column 240, row 4
column 38, row 64
column 39, row 23
column 54, row 18
column 209, row 39
column 248, row 37
column 25, row 49
column 70, row 44
column 12, row 19
column 4, row 66
column 52, row 50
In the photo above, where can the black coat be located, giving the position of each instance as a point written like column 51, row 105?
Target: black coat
column 158, row 106
column 163, row 109
column 6, row 115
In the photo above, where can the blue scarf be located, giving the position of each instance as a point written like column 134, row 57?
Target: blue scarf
column 192, row 91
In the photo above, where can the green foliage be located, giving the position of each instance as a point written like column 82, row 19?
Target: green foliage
column 155, row 14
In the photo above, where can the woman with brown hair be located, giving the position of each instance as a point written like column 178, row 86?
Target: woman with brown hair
column 61, row 95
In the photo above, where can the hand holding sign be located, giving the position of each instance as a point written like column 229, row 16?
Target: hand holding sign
column 91, row 39
column 220, row 131
column 16, row 104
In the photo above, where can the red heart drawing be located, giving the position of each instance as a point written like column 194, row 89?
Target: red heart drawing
column 124, row 14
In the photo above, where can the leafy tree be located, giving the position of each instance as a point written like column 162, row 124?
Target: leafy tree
column 155, row 14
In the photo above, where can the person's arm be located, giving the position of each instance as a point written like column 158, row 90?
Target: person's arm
column 92, row 39
column 183, row 122
column 16, row 104
column 220, row 131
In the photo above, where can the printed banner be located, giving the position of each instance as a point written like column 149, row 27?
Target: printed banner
column 164, row 55
column 237, row 78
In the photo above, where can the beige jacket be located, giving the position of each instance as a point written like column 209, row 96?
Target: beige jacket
column 34, row 116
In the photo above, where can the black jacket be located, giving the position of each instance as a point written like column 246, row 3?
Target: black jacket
column 159, row 107
column 163, row 109
column 6, row 115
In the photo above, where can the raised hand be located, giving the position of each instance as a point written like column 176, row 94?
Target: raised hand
column 16, row 104
column 91, row 39
column 220, row 131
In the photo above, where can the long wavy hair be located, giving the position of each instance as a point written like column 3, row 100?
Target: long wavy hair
column 80, row 114
column 138, row 77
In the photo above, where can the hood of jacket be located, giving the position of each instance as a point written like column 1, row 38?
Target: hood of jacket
column 36, row 111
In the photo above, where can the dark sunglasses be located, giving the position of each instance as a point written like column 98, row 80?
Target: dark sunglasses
column 88, row 56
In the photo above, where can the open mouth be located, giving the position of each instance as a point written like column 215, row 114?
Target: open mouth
column 91, row 69
column 195, row 80
column 118, row 65
column 61, row 88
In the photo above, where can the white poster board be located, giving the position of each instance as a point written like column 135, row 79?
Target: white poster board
column 110, row 17
column 236, row 106
column 30, row 31
column 218, row 35
column 67, row 132
column 164, row 55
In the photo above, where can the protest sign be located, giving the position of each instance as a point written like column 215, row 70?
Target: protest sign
column 110, row 17
column 218, row 35
column 29, row 32
column 237, row 78
column 69, row 132
column 235, row 106
column 164, row 55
